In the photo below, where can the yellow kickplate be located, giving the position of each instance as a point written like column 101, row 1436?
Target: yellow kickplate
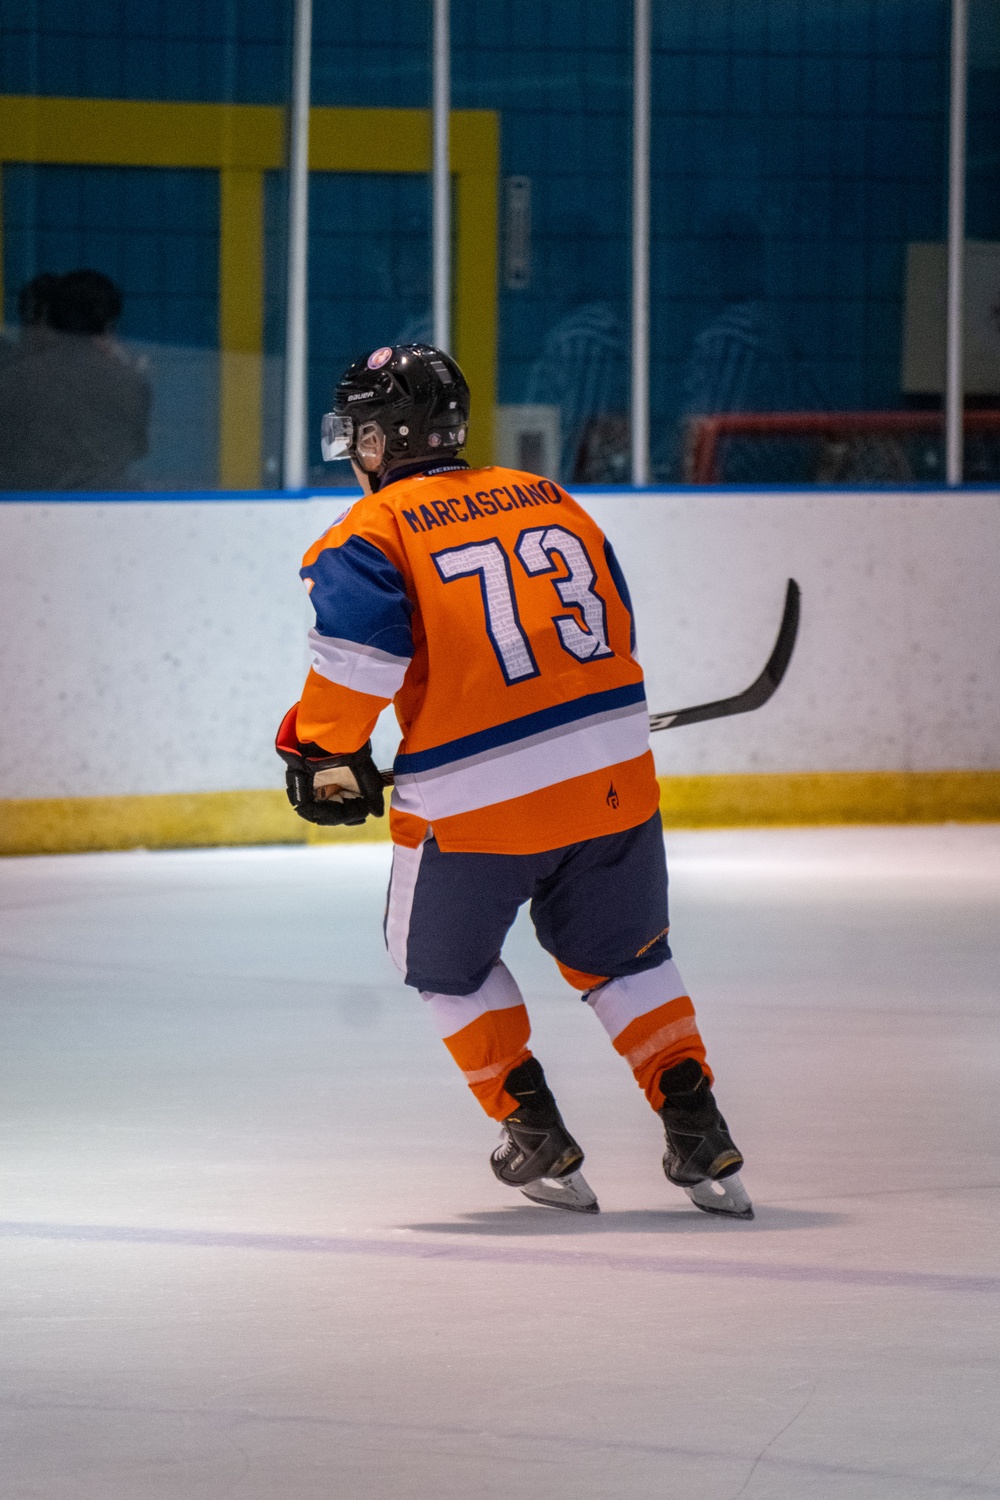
column 66, row 825
column 830, row 797
column 372, row 831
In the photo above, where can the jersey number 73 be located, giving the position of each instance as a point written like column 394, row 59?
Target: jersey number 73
column 535, row 549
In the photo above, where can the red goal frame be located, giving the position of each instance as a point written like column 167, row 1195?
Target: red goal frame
column 704, row 434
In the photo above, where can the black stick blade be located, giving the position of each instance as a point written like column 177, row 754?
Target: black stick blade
column 757, row 694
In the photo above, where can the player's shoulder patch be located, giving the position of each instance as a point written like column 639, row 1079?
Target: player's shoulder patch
column 350, row 512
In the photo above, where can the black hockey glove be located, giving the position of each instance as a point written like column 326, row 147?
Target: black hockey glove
column 329, row 789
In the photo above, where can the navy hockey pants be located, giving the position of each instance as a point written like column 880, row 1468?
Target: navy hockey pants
column 599, row 907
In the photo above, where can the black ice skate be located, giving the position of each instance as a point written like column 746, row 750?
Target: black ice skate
column 537, row 1153
column 701, row 1156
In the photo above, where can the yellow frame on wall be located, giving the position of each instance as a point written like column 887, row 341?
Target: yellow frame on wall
column 242, row 142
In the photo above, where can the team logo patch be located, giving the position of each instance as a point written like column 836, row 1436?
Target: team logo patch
column 379, row 358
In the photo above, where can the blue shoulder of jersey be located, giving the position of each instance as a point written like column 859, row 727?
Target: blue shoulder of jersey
column 615, row 569
column 359, row 595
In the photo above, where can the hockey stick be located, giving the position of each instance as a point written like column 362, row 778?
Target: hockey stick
column 755, row 696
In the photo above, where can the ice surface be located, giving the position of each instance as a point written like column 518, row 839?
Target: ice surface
column 251, row 1245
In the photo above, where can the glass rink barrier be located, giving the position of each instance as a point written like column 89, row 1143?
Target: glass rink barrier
column 656, row 227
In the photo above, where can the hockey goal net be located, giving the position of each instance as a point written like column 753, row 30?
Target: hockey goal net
column 844, row 447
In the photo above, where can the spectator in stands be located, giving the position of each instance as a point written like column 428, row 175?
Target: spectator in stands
column 582, row 366
column 32, row 315
column 74, row 412
column 34, row 309
column 742, row 360
column 583, row 370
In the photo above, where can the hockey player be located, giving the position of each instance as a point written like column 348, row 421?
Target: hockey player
column 490, row 609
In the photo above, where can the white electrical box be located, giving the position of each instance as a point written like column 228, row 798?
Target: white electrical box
column 528, row 437
column 925, row 318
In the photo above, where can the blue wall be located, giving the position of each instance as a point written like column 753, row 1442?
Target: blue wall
column 798, row 145
column 154, row 231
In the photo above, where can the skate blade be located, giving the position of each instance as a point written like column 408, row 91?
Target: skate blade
column 727, row 1197
column 572, row 1193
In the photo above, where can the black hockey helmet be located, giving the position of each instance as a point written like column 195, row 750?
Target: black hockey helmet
column 416, row 394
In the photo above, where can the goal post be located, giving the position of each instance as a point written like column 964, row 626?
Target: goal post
column 837, row 447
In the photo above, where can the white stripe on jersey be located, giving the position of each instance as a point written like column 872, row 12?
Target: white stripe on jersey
column 530, row 764
column 351, row 665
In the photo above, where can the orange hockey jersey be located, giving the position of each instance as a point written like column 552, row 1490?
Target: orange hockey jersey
column 488, row 606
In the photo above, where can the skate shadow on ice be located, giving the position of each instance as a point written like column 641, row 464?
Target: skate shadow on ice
column 515, row 1222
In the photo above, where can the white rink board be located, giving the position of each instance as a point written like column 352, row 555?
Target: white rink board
column 897, row 665
column 152, row 646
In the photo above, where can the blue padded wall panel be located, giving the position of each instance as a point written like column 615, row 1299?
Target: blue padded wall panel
column 560, row 77
column 155, row 232
column 372, row 53
column 806, row 149
column 369, row 270
column 814, row 129
column 231, row 50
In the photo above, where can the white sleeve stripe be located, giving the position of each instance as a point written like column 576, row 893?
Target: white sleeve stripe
column 363, row 668
column 316, row 638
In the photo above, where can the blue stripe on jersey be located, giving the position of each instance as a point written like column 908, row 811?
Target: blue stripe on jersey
column 521, row 729
column 615, row 569
column 359, row 596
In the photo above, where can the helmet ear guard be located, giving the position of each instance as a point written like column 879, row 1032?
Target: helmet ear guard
column 369, row 442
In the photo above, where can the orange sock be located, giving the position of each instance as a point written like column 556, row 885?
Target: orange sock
column 651, row 1022
column 487, row 1034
